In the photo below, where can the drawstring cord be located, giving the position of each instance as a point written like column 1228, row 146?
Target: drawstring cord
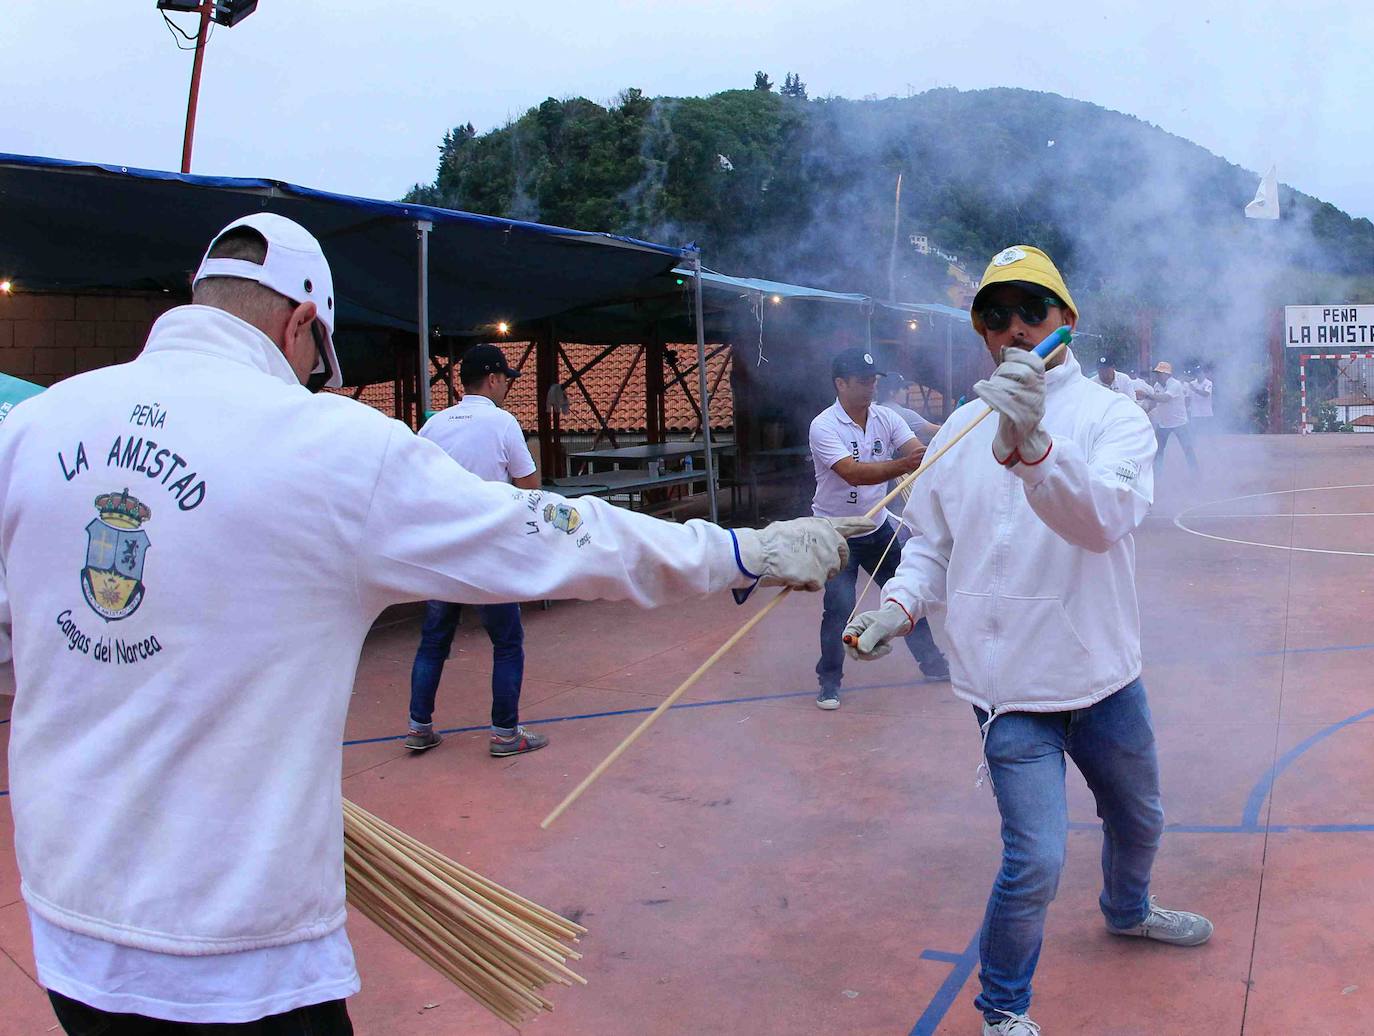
column 984, row 772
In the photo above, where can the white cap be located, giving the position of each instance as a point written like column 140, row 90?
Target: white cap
column 295, row 267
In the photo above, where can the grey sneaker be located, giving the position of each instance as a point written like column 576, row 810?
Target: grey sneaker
column 828, row 699
column 1011, row 1025
column 517, row 743
column 421, row 740
column 1177, row 927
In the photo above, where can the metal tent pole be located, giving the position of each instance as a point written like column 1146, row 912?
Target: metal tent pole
column 949, row 368
column 193, row 100
column 705, row 393
column 422, row 229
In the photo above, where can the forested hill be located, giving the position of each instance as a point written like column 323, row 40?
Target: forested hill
column 803, row 190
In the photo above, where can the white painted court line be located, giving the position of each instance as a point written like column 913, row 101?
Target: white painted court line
column 1189, row 513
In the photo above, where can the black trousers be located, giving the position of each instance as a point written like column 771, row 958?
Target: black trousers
column 327, row 1019
column 1185, row 439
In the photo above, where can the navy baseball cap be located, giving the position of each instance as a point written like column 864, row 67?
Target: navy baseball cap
column 854, row 363
column 483, row 359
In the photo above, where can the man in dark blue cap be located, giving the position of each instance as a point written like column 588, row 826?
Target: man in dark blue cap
column 858, row 447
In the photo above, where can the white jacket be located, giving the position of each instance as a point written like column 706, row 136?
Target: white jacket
column 1032, row 570
column 185, row 651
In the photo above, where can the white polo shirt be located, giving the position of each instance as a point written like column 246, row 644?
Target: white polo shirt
column 1120, row 383
column 835, row 436
column 1200, row 397
column 1170, row 409
column 483, row 438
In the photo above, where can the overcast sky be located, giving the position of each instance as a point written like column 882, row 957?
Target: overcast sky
column 355, row 95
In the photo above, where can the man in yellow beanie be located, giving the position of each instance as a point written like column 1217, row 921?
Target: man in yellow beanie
column 1022, row 543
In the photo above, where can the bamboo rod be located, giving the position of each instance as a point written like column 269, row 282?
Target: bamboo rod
column 663, row 707
column 903, row 485
column 495, row 945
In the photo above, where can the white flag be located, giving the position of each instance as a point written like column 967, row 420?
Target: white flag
column 1266, row 203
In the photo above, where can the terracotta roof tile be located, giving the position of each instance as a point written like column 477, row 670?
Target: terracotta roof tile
column 603, row 383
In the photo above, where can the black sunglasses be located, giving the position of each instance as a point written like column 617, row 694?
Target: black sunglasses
column 1032, row 313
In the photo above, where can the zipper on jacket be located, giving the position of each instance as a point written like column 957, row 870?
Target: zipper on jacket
column 1001, row 540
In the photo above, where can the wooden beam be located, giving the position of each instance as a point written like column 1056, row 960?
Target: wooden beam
column 610, row 411
column 577, row 380
column 653, row 385
column 545, row 375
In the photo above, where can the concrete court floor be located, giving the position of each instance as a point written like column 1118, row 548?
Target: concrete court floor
column 757, row 866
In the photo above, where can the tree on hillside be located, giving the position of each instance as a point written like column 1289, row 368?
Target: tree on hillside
column 762, row 82
column 792, row 86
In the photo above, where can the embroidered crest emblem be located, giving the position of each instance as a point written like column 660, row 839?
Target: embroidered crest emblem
column 1008, row 256
column 116, row 547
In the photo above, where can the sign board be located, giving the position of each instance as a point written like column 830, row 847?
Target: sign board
column 1328, row 327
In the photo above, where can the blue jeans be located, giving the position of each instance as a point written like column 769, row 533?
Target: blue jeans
column 1113, row 745
column 502, row 623
column 864, row 551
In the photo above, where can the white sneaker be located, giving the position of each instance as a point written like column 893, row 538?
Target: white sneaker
column 1178, row 927
column 1012, row 1025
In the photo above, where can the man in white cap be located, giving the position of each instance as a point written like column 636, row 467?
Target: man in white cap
column 192, row 550
column 1021, row 540
column 1170, row 414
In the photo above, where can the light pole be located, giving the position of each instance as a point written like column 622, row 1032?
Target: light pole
column 223, row 12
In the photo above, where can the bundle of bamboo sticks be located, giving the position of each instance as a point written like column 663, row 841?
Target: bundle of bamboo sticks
column 499, row 947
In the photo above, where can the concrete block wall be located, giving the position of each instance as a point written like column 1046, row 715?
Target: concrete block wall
column 45, row 337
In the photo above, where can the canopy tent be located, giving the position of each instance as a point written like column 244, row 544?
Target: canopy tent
column 72, row 227
column 68, row 226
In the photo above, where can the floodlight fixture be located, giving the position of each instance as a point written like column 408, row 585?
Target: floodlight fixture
column 227, row 13
column 6, row 286
column 230, row 12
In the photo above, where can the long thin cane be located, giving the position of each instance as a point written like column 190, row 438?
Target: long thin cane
column 1048, row 349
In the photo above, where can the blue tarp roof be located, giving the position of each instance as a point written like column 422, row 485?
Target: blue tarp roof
column 79, row 225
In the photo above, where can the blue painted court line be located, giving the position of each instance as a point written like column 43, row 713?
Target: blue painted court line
column 647, row 709
column 943, row 1000
column 1261, row 791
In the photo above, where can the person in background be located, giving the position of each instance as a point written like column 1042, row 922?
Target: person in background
column 857, row 448
column 1140, row 390
column 1170, row 414
column 1109, row 377
column 1023, row 540
column 891, row 393
column 487, row 440
column 1199, row 388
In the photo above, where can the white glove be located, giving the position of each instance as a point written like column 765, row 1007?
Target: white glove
column 1016, row 391
column 800, row 554
column 869, row 635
